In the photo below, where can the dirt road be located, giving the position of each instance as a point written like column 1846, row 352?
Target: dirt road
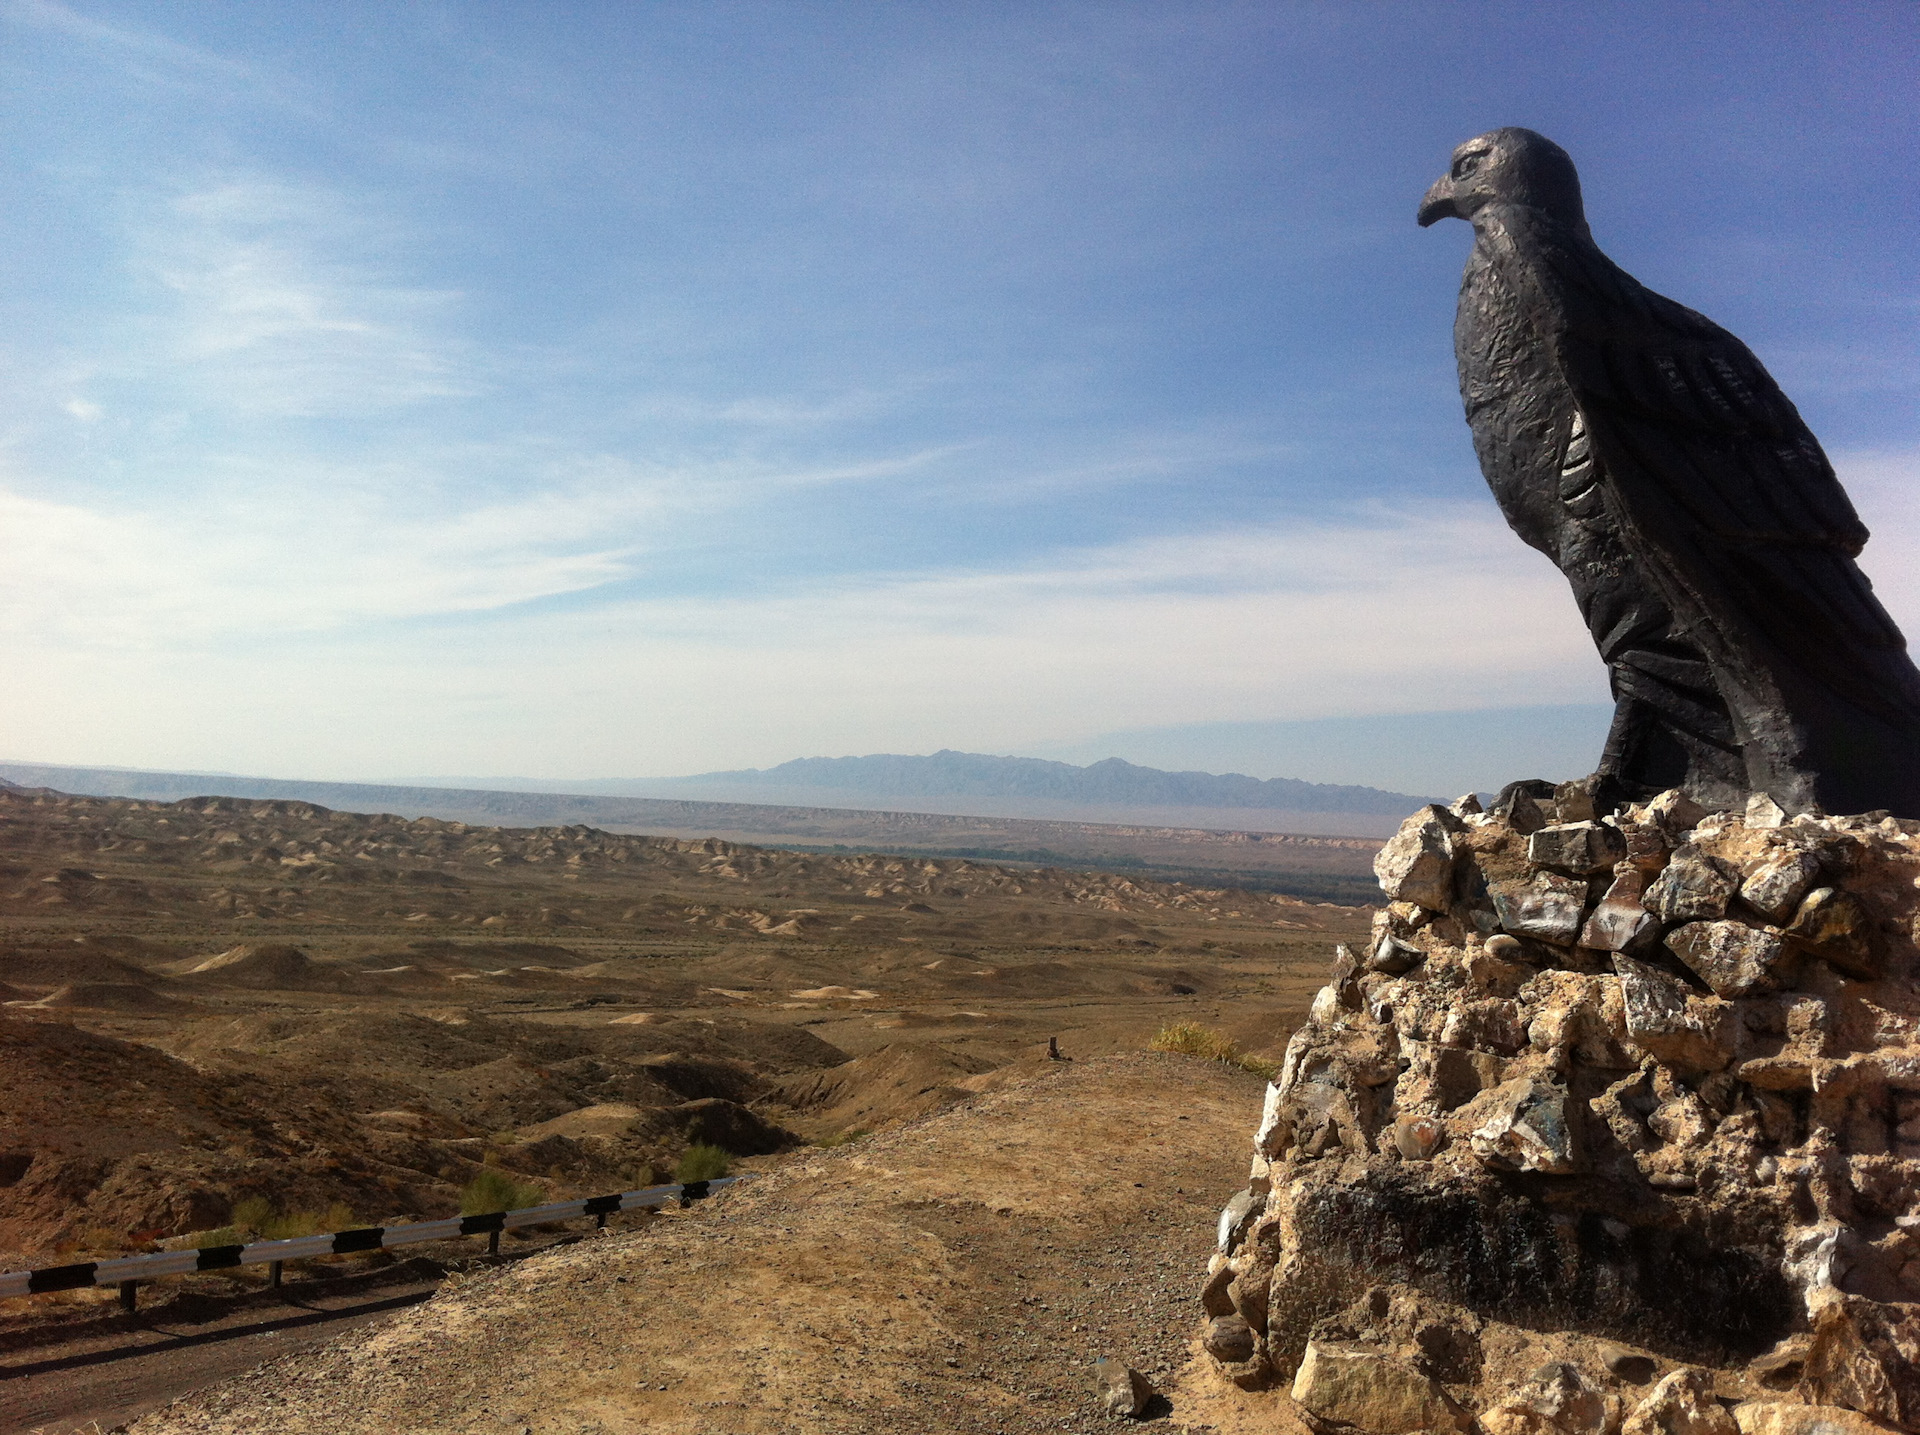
column 959, row 1275
column 105, row 1381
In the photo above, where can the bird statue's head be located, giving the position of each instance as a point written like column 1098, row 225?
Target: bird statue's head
column 1502, row 167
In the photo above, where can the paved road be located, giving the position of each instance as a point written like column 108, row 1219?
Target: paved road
column 100, row 1383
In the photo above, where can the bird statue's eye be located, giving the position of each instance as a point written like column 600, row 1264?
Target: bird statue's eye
column 1467, row 164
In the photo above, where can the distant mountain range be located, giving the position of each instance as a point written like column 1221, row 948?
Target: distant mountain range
column 1111, row 783
column 798, row 798
column 1321, row 854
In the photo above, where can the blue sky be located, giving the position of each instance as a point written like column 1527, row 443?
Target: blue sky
column 643, row 389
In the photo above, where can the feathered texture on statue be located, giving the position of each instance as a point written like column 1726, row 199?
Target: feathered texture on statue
column 1711, row 549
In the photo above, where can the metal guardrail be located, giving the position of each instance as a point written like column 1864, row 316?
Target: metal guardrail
column 127, row 1272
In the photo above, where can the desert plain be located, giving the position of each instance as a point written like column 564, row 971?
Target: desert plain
column 220, row 1004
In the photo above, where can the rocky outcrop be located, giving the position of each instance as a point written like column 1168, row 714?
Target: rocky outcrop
column 1644, row 1084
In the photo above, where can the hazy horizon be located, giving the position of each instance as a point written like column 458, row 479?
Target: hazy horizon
column 1419, row 754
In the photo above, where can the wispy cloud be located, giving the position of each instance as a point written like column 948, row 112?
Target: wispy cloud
column 763, row 411
column 1376, row 613
column 1300, row 620
column 162, row 55
column 101, row 579
column 278, row 300
column 301, row 547
column 1379, row 614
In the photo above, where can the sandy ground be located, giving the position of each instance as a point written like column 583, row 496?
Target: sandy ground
column 960, row 1274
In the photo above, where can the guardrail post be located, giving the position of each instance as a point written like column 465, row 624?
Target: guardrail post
column 600, row 1222
column 275, row 1270
column 493, row 1243
column 128, row 1298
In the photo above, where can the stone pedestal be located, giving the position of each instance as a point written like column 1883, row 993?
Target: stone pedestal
column 1640, row 1093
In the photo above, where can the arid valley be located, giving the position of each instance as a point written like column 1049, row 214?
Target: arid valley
column 221, row 1000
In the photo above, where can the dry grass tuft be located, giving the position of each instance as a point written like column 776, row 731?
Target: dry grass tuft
column 1192, row 1038
column 494, row 1190
column 700, row 1162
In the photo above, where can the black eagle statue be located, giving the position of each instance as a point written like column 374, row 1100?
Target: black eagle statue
column 1711, row 549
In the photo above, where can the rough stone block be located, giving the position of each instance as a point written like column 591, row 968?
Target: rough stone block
column 1327, row 1006
column 1122, row 1390
column 1579, row 1015
column 1777, row 883
column 1735, row 960
column 1461, row 1073
column 1780, row 1368
column 1352, row 1383
column 1675, row 811
column 1647, row 846
column 1557, row 1399
column 1835, row 927
column 1528, row 1129
column 1522, row 810
column 1215, row 1298
column 1345, row 977
column 1248, row 1292
column 1627, row 1363
column 1681, row 1121
column 1681, row 1404
column 1255, row 1373
column 1620, row 921
column 1578, row 847
column 1416, row 865
column 1495, row 973
column 1393, row 956
column 1275, row 1132
column 1573, row 801
column 1694, row 888
column 1228, row 1339
column 1767, row 1074
column 1624, row 1107
column 1416, row 1138
column 1665, row 1020
column 1866, row 1356
column 1548, row 908
column 1241, row 1212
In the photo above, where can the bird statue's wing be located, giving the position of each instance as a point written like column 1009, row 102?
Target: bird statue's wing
column 1698, row 451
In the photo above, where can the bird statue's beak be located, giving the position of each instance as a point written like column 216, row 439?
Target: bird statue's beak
column 1438, row 203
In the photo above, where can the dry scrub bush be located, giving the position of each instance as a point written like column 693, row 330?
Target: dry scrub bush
column 700, row 1162
column 1191, row 1038
column 493, row 1191
column 254, row 1219
column 98, row 1240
